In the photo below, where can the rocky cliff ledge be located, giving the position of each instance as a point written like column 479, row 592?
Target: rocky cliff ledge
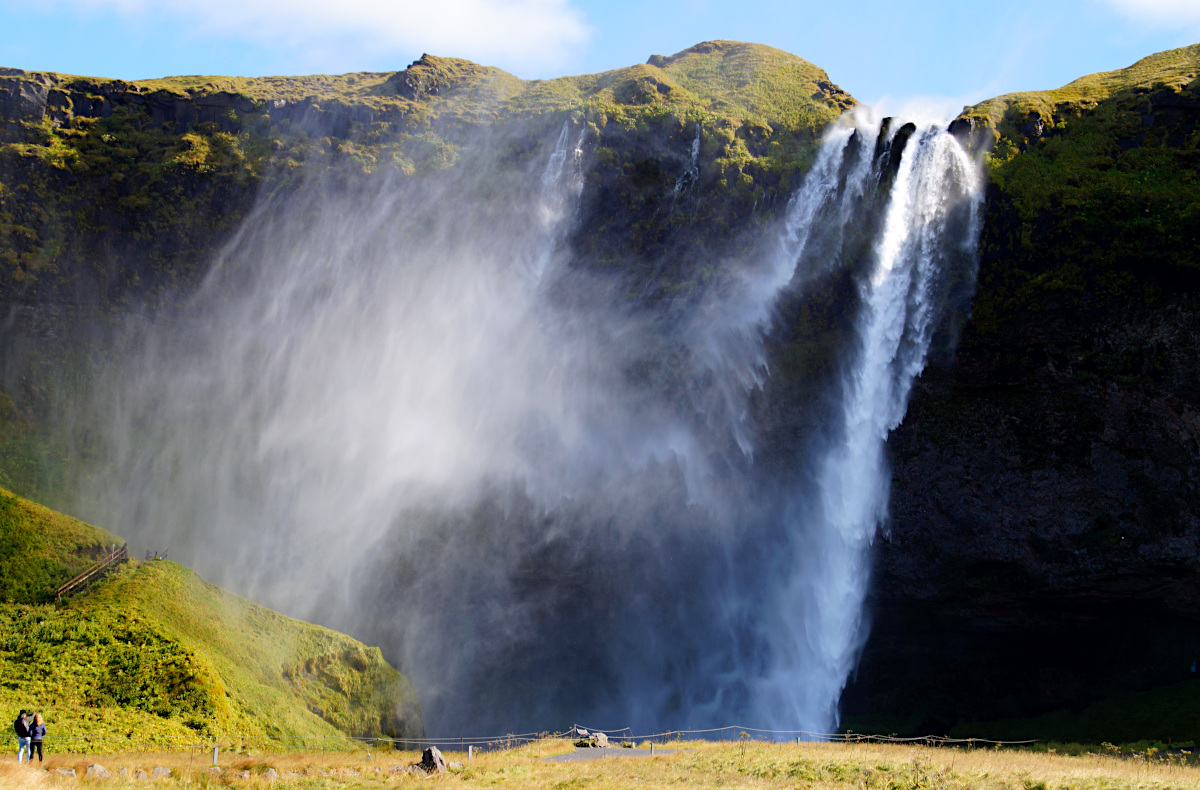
column 1044, row 548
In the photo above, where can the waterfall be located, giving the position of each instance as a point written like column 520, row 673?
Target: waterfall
column 929, row 228
column 692, row 173
column 406, row 408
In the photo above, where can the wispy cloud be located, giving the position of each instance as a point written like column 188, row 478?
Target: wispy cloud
column 528, row 35
column 1168, row 14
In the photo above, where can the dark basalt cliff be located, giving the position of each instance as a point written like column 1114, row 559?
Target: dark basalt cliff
column 1043, row 552
column 1044, row 547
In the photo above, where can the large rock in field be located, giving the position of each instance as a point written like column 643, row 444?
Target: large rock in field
column 432, row 761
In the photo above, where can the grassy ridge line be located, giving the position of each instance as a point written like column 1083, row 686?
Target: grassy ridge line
column 1173, row 70
column 725, row 78
column 729, row 78
column 155, row 652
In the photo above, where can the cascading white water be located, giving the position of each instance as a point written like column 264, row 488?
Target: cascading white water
column 930, row 223
column 404, row 410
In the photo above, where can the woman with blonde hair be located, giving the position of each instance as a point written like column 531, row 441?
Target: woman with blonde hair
column 36, row 733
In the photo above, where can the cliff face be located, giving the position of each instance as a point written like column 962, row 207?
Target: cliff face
column 1045, row 519
column 1043, row 547
column 115, row 197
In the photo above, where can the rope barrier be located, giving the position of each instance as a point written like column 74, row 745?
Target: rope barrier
column 494, row 741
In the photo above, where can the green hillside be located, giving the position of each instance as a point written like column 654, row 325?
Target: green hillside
column 1097, row 198
column 1172, row 70
column 156, row 652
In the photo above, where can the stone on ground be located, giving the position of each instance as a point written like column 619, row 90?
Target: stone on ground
column 96, row 771
column 432, row 761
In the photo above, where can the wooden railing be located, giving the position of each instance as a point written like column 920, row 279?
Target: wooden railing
column 94, row 573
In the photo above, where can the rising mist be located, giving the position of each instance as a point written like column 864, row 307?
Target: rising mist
column 405, row 407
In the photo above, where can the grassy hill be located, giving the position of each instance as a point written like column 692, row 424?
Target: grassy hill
column 1171, row 70
column 155, row 652
column 1097, row 197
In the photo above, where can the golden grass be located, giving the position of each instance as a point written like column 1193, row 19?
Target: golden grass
column 700, row 764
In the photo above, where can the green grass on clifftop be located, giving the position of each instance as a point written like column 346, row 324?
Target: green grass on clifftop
column 156, row 653
column 1095, row 204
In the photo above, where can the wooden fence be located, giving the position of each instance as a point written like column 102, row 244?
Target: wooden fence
column 94, row 573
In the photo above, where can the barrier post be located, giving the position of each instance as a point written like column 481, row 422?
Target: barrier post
column 215, row 751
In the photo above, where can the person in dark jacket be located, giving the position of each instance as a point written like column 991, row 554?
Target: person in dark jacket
column 36, row 733
column 22, row 729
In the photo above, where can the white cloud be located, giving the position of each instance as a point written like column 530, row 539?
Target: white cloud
column 1169, row 14
column 528, row 35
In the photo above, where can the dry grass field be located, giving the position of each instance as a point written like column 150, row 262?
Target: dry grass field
column 700, row 764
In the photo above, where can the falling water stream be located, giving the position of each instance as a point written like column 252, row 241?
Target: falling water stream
column 403, row 409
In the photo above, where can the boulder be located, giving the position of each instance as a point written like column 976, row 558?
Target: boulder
column 96, row 771
column 141, row 775
column 601, row 740
column 65, row 772
column 270, row 775
column 432, row 761
column 159, row 772
column 455, row 765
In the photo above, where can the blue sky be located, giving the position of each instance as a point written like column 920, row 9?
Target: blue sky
column 943, row 54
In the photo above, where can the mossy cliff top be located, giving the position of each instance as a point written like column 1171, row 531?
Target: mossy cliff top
column 155, row 652
column 156, row 174
column 722, row 78
column 1031, row 113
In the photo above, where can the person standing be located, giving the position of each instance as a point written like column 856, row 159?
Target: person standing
column 22, row 729
column 36, row 733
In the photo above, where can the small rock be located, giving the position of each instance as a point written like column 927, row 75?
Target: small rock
column 270, row 775
column 432, row 761
column 159, row 772
column 96, row 771
column 123, row 772
column 454, row 765
column 378, row 770
column 66, row 772
column 213, row 770
column 243, row 774
column 350, row 772
column 291, row 774
column 398, row 769
column 141, row 775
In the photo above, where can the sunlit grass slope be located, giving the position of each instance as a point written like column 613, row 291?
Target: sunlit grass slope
column 41, row 549
column 1172, row 69
column 729, row 78
column 154, row 651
